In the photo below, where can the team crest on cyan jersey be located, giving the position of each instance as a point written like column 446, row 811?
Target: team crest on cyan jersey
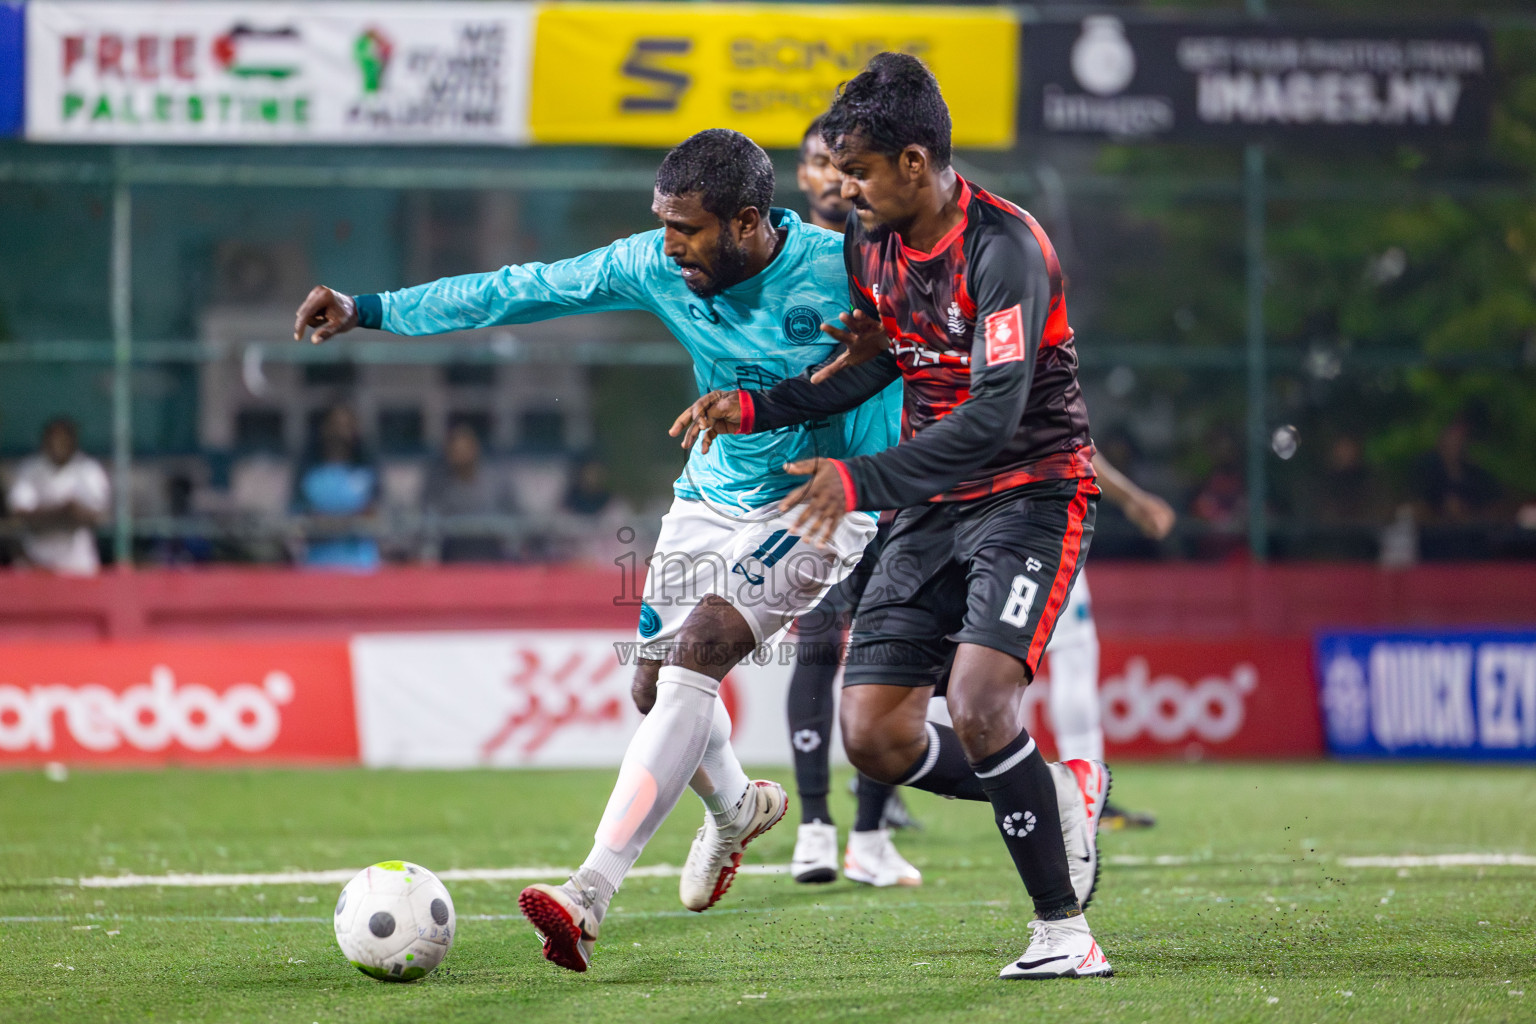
column 802, row 324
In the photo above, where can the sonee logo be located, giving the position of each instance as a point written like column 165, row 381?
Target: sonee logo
column 1019, row 824
column 1032, row 565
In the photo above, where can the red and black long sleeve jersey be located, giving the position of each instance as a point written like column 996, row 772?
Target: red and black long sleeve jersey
column 980, row 339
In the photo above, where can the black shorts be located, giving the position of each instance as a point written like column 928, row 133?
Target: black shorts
column 994, row 572
column 835, row 610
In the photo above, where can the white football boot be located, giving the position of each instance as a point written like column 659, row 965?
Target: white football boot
column 871, row 858
column 567, row 921
column 716, row 854
column 815, row 858
column 1081, row 789
column 1059, row 949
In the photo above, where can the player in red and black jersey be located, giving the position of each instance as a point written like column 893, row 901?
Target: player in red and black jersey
column 960, row 295
column 995, row 273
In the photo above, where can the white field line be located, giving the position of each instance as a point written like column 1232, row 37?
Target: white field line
column 102, row 920
column 1441, row 860
column 341, row 876
column 1444, row 860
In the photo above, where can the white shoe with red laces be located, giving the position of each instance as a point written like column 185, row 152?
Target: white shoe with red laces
column 566, row 920
column 1082, row 787
column 1059, row 949
column 716, row 853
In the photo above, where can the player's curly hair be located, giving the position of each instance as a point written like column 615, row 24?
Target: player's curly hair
column 728, row 170
column 893, row 103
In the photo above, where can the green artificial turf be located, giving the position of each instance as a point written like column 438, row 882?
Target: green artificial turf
column 1250, row 915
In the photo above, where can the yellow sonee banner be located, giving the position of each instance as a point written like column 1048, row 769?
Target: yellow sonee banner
column 653, row 74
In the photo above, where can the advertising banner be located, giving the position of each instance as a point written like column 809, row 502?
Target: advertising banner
column 1193, row 699
column 171, row 702
column 342, row 72
column 561, row 698
column 653, row 74
column 1239, row 80
column 12, row 61
column 1436, row 694
column 529, row 698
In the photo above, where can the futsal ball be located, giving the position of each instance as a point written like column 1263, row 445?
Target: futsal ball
column 394, row 921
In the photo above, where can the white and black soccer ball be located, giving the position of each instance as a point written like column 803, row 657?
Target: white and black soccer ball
column 394, row 921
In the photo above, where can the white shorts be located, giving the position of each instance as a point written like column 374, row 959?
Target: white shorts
column 1075, row 623
column 767, row 572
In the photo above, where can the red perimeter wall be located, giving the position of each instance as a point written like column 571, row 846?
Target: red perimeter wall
column 1133, row 599
column 1198, row 660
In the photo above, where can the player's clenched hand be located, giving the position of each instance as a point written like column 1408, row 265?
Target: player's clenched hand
column 863, row 338
column 718, row 412
column 328, row 311
column 823, row 501
column 1152, row 515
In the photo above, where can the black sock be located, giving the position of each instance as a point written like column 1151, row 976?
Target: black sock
column 813, row 807
column 871, row 808
column 1023, row 794
column 943, row 768
column 811, row 710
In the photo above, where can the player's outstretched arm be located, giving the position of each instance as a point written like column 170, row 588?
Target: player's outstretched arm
column 328, row 311
column 618, row 276
column 716, row 413
column 800, row 400
column 863, row 339
column 1151, row 515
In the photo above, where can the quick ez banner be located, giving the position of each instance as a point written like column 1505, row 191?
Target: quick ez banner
column 11, row 63
column 1430, row 694
column 278, row 72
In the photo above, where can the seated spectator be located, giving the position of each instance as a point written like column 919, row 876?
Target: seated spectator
column 602, row 516
column 1458, row 500
column 460, row 486
column 1453, row 489
column 1344, row 506
column 60, row 496
column 338, row 482
column 1221, row 504
column 588, row 494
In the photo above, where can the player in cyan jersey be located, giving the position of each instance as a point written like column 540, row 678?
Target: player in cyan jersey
column 745, row 288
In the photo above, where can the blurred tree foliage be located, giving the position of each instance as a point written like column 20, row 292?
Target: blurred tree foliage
column 1401, row 281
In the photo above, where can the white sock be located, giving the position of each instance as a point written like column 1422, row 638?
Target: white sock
column 720, row 780
column 1075, row 698
column 661, row 757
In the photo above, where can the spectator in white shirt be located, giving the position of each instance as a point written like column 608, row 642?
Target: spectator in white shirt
column 60, row 496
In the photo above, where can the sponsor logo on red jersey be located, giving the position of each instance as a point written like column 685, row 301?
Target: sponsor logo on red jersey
column 1005, row 336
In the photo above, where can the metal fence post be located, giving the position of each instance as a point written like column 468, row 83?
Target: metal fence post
column 122, row 360
column 1258, row 442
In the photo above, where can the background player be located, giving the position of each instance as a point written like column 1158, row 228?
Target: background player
column 745, row 288
column 1074, row 647
column 871, row 857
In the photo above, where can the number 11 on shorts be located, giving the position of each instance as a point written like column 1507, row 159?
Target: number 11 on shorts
column 1020, row 600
